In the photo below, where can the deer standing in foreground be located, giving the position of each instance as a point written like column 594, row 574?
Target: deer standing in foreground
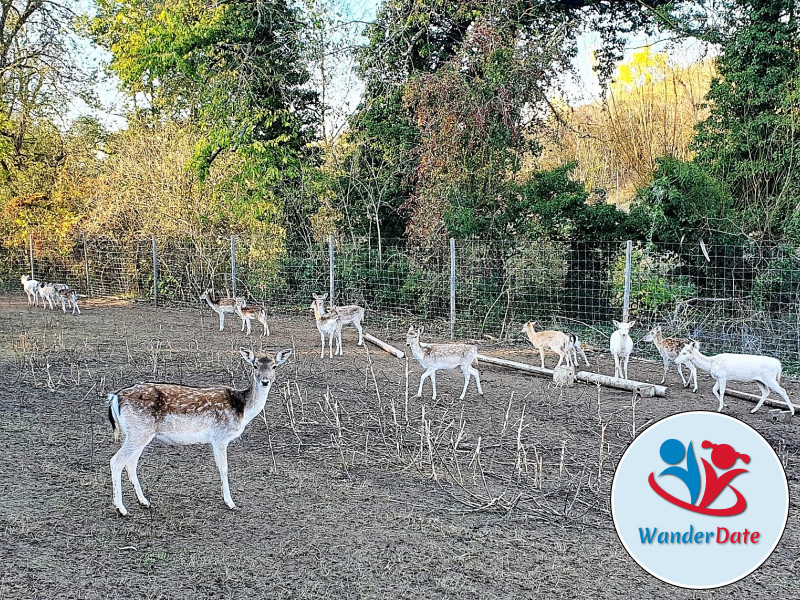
column 179, row 415
column 223, row 306
column 621, row 346
column 443, row 356
column 556, row 341
column 248, row 313
column 30, row 286
column 764, row 371
column 669, row 348
column 329, row 324
column 352, row 314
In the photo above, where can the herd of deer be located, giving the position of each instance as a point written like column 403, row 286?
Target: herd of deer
column 50, row 293
column 179, row 414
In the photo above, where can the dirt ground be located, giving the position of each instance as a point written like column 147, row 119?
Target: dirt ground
column 353, row 490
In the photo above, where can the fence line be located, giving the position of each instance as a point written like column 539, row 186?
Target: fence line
column 743, row 298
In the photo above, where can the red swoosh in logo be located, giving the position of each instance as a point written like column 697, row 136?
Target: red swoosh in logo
column 737, row 508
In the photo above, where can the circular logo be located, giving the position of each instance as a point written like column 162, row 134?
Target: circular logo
column 700, row 500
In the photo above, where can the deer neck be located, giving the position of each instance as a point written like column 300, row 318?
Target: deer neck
column 417, row 350
column 256, row 399
column 211, row 303
column 702, row 361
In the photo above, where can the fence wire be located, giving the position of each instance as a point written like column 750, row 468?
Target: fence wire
column 740, row 298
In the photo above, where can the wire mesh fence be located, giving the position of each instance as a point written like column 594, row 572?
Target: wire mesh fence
column 741, row 298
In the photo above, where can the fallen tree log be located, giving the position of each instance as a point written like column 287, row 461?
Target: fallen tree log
column 384, row 346
column 644, row 389
column 756, row 397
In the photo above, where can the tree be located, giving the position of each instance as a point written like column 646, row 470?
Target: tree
column 750, row 140
column 235, row 69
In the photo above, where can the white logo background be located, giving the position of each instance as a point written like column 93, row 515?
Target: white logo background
column 635, row 505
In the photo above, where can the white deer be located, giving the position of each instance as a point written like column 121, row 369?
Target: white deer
column 69, row 299
column 621, row 346
column 352, row 314
column 329, row 324
column 443, row 356
column 669, row 348
column 223, row 306
column 764, row 371
column 556, row 341
column 30, row 286
column 179, row 414
column 47, row 292
column 248, row 313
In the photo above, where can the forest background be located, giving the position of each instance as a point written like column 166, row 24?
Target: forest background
column 465, row 129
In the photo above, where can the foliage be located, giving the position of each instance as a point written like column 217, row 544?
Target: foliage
column 749, row 142
column 233, row 69
column 682, row 203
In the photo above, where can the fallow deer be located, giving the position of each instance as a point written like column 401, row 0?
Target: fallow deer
column 179, row 415
column 433, row 357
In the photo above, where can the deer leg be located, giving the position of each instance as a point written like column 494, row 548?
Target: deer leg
column 666, row 368
column 776, row 387
column 118, row 462
column 330, row 345
column 133, row 461
column 266, row 327
column 541, row 355
column 221, row 458
column 360, row 333
column 617, row 369
column 427, row 373
column 433, row 382
column 680, row 372
column 719, row 392
column 466, row 372
column 221, row 321
column 322, row 337
column 339, row 341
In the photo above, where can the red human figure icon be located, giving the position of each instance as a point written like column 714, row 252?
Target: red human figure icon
column 724, row 457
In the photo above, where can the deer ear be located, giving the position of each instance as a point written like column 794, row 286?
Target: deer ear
column 421, row 329
column 247, row 355
column 282, row 356
column 616, row 324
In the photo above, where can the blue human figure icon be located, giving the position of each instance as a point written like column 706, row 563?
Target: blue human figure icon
column 672, row 453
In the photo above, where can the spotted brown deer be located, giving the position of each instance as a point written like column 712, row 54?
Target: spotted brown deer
column 669, row 348
column 180, row 414
column 434, row 357
column 223, row 306
column 248, row 313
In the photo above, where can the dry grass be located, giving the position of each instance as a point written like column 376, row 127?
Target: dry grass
column 348, row 487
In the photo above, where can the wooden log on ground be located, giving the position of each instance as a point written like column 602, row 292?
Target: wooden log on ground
column 756, row 397
column 383, row 345
column 515, row 365
column 644, row 389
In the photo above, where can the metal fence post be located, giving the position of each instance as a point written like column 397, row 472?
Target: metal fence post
column 86, row 267
column 626, row 299
column 452, row 288
column 330, row 258
column 155, row 272
column 30, row 244
column 233, row 264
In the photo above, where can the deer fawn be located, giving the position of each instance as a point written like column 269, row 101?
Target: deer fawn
column 443, row 356
column 352, row 314
column 669, row 348
column 179, row 414
column 329, row 324
column 248, row 313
